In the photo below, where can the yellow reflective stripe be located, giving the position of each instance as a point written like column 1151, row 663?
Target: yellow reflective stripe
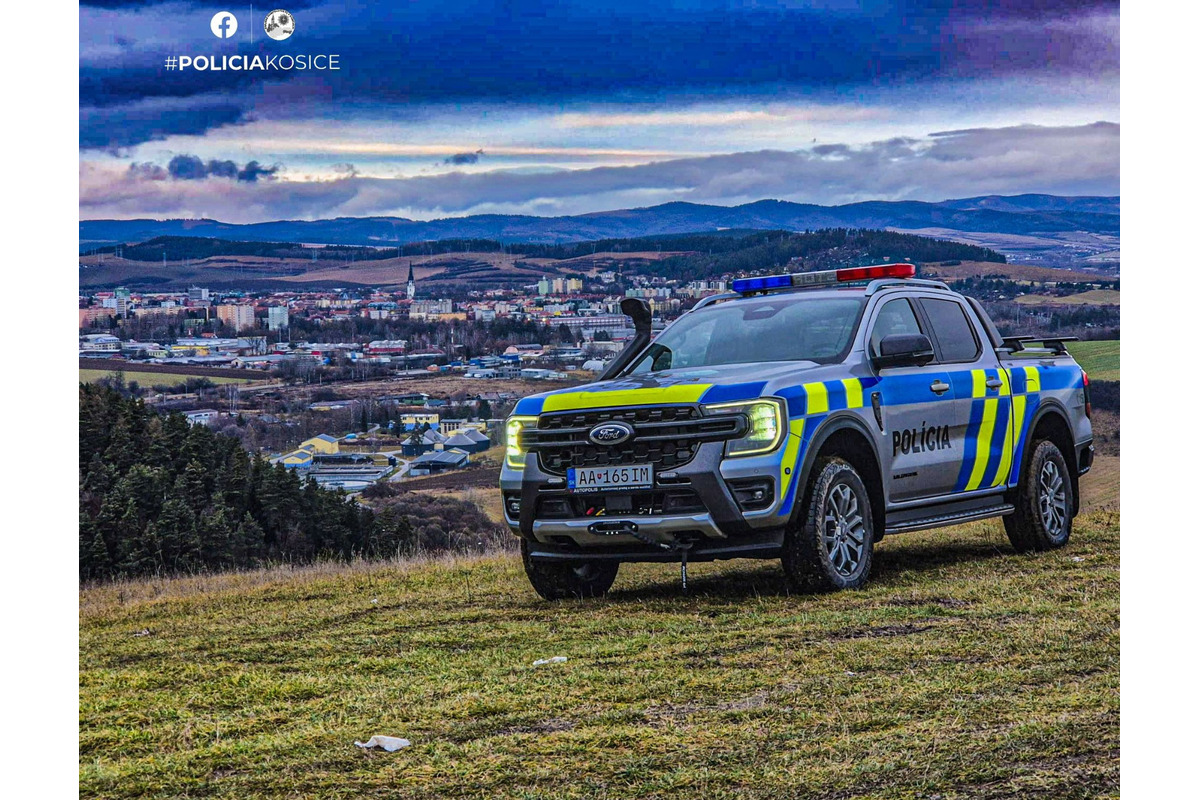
column 1007, row 453
column 983, row 443
column 1033, row 381
column 1017, row 427
column 978, row 383
column 854, row 392
column 569, row 401
column 789, row 456
column 1005, row 386
column 817, row 398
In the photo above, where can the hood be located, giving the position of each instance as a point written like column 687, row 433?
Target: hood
column 724, row 383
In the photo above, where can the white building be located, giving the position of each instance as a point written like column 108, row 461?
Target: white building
column 277, row 318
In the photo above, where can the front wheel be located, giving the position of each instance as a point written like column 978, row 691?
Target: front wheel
column 831, row 545
column 555, row 580
column 1045, row 499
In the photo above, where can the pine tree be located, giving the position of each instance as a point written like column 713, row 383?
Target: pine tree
column 175, row 531
column 248, row 544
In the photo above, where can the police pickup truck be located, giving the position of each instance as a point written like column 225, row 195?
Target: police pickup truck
column 799, row 417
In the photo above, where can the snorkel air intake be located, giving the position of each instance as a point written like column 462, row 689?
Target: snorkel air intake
column 638, row 310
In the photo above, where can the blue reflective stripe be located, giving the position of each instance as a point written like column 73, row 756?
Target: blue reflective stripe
column 734, row 392
column 529, row 405
column 968, row 462
column 837, row 394
column 1061, row 378
column 902, row 390
column 1018, row 380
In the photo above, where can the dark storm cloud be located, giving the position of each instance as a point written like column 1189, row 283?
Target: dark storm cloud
column 253, row 171
column 429, row 51
column 464, row 158
column 1074, row 160
column 193, row 168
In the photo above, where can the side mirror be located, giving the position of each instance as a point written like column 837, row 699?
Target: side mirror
column 903, row 350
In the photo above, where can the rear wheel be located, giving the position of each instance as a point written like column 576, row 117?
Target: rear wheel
column 555, row 580
column 830, row 547
column 1045, row 499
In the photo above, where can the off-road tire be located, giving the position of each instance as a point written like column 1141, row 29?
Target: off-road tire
column 555, row 580
column 807, row 560
column 1042, row 519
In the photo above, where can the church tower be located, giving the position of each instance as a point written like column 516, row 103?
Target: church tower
column 411, row 289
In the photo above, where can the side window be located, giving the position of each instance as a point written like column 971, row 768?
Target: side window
column 952, row 330
column 896, row 316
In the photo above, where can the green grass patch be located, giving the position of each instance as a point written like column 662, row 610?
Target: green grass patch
column 1101, row 359
column 963, row 670
column 154, row 378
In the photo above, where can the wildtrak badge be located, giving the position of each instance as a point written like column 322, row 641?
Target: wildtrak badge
column 918, row 440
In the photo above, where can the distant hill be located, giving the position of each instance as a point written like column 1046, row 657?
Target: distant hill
column 1089, row 224
column 179, row 261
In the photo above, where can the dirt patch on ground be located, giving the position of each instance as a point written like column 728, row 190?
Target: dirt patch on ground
column 879, row 631
column 916, row 602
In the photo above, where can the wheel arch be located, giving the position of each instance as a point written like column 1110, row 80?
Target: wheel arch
column 847, row 437
column 1050, row 423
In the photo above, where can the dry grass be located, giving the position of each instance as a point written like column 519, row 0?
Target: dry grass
column 1092, row 297
column 963, row 670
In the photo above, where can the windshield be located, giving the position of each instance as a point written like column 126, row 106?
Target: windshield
column 781, row 328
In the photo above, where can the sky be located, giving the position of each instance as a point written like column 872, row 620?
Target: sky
column 443, row 108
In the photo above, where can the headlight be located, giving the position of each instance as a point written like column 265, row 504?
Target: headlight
column 514, row 453
column 766, row 432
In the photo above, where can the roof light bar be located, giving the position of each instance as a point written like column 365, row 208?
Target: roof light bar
column 823, row 278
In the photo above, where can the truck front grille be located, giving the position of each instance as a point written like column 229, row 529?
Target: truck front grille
column 664, row 436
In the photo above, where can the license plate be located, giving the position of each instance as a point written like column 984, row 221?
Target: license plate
column 595, row 479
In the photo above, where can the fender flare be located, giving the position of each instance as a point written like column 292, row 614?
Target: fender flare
column 835, row 422
column 1047, row 407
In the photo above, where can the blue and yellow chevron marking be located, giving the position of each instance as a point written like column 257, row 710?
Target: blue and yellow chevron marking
column 808, row 399
column 987, row 449
column 995, row 439
column 793, row 451
column 808, row 406
column 1026, row 398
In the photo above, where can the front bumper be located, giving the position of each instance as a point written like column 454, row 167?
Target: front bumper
column 720, row 530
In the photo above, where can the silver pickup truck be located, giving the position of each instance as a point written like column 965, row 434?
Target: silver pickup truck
column 800, row 417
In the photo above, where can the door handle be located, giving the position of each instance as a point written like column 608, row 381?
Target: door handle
column 994, row 383
column 939, row 387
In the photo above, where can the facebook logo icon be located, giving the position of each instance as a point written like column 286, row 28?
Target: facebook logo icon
column 223, row 25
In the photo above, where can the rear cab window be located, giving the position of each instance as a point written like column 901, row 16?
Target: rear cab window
column 952, row 332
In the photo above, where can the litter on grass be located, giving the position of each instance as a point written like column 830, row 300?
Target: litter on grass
column 389, row 743
column 555, row 660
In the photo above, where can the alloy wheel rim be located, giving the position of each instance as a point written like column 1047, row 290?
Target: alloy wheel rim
column 1052, row 499
column 844, row 530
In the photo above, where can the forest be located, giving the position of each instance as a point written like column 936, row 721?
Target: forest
column 160, row 496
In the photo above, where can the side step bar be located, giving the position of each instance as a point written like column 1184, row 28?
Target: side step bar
column 942, row 520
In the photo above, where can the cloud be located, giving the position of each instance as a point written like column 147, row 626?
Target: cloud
column 1071, row 160
column 464, row 158
column 253, row 171
column 533, row 51
column 193, row 168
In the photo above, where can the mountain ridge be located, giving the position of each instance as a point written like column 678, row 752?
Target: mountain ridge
column 990, row 214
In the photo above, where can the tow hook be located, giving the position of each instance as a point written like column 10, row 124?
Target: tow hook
column 617, row 527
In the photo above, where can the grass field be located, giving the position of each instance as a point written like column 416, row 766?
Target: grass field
column 1101, row 360
column 1092, row 297
column 154, row 378
column 963, row 670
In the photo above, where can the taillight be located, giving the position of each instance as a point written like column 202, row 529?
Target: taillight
column 1087, row 395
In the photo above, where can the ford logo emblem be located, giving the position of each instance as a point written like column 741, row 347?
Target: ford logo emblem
column 610, row 433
